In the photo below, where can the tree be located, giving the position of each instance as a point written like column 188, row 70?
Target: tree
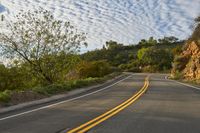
column 149, row 42
column 160, row 58
column 113, row 45
column 37, row 38
column 141, row 53
column 142, row 42
column 168, row 40
column 152, row 41
column 196, row 33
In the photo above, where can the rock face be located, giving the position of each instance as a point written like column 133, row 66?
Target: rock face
column 192, row 68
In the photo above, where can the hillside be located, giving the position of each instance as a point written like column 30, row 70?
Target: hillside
column 187, row 64
column 126, row 57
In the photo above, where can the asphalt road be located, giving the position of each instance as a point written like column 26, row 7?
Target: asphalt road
column 167, row 107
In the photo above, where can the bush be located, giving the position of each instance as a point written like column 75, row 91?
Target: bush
column 50, row 89
column 150, row 69
column 67, row 86
column 180, row 62
column 177, row 75
column 134, row 69
column 93, row 69
column 133, row 66
column 16, row 78
column 5, row 96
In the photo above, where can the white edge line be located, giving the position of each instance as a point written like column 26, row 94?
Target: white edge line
column 194, row 87
column 48, row 106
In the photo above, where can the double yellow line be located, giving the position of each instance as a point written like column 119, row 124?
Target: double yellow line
column 94, row 122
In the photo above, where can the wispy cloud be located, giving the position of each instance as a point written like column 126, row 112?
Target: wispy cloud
column 126, row 21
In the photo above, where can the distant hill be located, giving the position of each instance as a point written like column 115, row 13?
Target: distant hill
column 119, row 55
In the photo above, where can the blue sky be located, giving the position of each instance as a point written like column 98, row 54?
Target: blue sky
column 125, row 21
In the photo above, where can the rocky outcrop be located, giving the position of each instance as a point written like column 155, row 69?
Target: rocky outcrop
column 192, row 67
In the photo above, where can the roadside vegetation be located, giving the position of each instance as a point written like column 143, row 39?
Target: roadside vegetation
column 149, row 55
column 44, row 58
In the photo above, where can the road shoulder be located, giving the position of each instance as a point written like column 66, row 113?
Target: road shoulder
column 188, row 84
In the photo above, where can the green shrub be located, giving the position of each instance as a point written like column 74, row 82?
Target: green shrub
column 150, row 69
column 180, row 62
column 93, row 69
column 67, row 86
column 134, row 69
column 50, row 89
column 5, row 96
column 177, row 75
column 133, row 66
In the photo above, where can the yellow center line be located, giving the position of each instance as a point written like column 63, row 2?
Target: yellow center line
column 85, row 127
column 101, row 116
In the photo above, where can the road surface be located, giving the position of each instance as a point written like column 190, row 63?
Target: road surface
column 137, row 104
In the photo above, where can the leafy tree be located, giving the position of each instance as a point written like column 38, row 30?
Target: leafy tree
column 141, row 53
column 113, row 45
column 38, row 39
column 168, row 40
column 150, row 42
column 155, row 57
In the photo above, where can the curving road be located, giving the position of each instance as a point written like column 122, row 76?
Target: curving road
column 136, row 104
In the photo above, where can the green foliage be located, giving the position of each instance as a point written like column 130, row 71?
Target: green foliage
column 57, row 66
column 70, row 85
column 115, row 55
column 39, row 40
column 133, row 66
column 152, row 69
column 51, row 89
column 4, row 78
column 180, row 62
column 159, row 59
column 15, row 78
column 178, row 75
column 141, row 53
column 150, row 42
column 177, row 50
column 113, row 45
column 93, row 69
column 5, row 96
column 168, row 40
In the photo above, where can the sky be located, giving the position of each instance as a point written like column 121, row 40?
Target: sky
column 124, row 21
